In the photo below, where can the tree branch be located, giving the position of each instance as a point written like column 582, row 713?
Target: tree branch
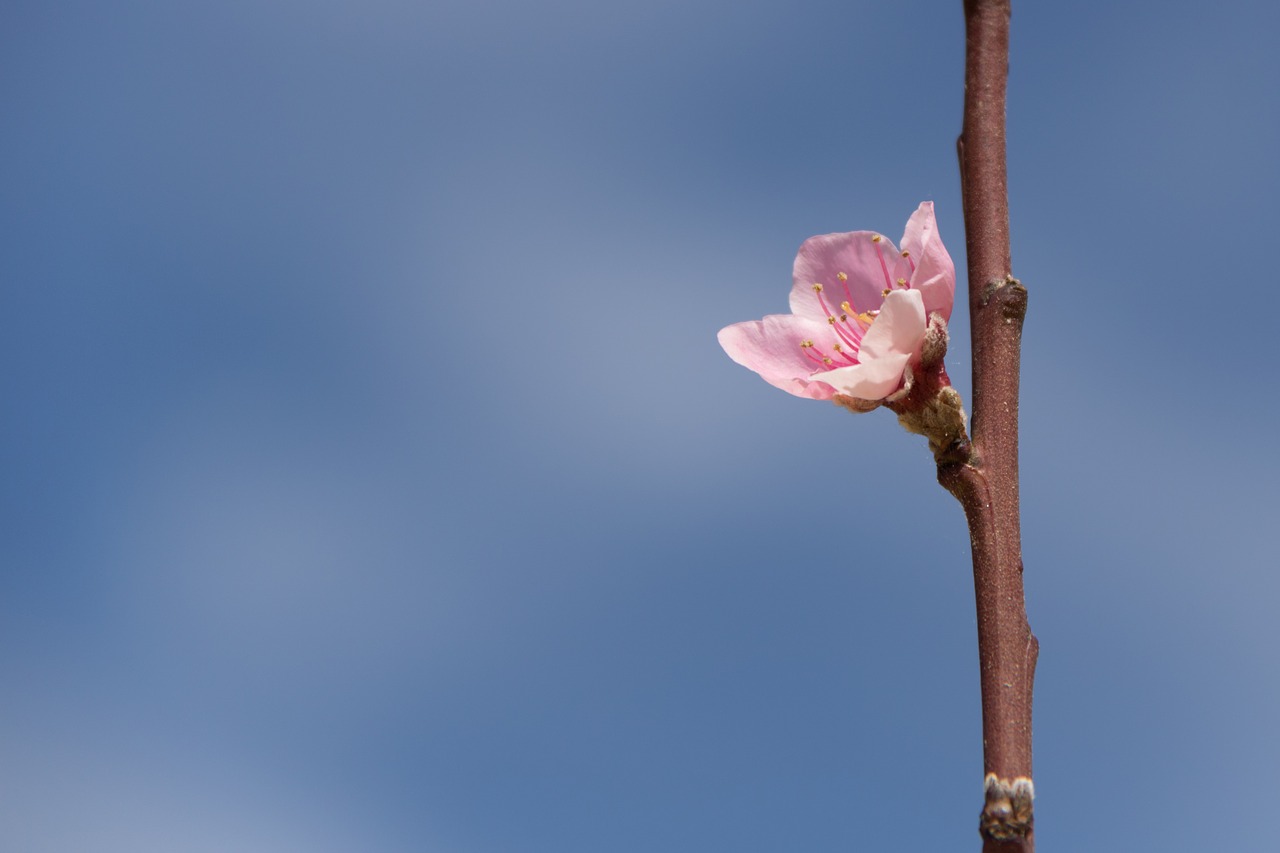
column 987, row 483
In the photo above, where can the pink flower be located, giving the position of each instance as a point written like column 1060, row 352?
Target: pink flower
column 859, row 310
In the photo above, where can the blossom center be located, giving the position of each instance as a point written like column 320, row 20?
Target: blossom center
column 849, row 325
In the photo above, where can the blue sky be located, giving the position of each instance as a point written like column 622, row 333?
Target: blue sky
column 373, row 480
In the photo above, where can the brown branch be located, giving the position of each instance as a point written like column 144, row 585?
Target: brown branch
column 987, row 484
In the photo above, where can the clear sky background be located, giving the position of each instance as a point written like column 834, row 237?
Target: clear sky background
column 373, row 481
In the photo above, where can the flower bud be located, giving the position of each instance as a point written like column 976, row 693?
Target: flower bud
column 941, row 420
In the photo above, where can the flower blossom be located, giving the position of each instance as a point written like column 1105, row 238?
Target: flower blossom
column 859, row 312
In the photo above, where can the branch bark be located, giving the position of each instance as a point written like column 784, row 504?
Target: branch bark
column 987, row 483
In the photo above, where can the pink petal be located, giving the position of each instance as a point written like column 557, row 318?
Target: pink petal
column 856, row 254
column 935, row 274
column 891, row 343
column 771, row 347
column 872, row 380
column 899, row 328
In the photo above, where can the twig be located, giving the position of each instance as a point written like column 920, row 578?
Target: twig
column 987, row 483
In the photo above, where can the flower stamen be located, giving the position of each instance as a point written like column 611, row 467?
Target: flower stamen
column 840, row 324
column 864, row 319
column 840, row 351
column 821, row 359
column 880, row 254
column 848, row 294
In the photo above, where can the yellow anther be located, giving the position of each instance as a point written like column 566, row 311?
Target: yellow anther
column 905, row 253
column 875, row 238
column 842, row 276
column 817, row 288
column 826, row 360
column 902, row 282
column 885, row 292
column 806, row 344
column 837, row 348
column 831, row 320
